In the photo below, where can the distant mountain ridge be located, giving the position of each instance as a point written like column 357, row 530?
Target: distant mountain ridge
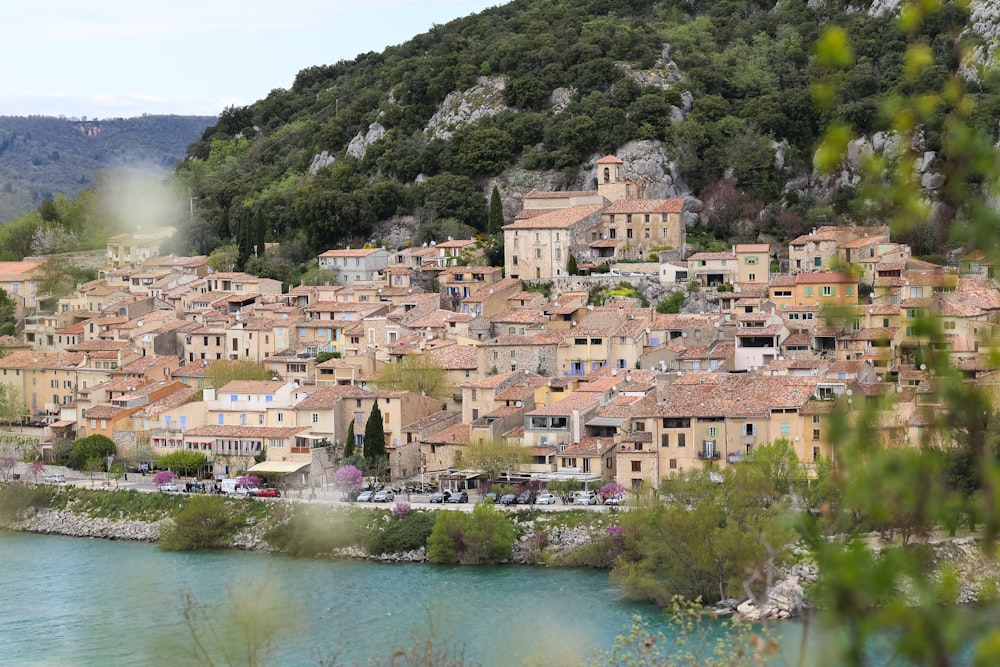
column 43, row 156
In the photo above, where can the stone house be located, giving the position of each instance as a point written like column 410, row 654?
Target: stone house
column 359, row 265
column 539, row 247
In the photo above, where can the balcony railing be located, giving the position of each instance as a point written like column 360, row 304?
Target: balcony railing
column 708, row 456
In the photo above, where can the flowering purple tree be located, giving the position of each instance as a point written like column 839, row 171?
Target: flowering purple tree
column 7, row 464
column 164, row 477
column 36, row 468
column 400, row 509
column 249, row 481
column 612, row 490
column 350, row 479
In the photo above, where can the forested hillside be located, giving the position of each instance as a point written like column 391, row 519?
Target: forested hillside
column 41, row 157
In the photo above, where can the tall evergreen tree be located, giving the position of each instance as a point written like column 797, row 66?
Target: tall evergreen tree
column 495, row 224
column 571, row 267
column 349, row 445
column 374, row 443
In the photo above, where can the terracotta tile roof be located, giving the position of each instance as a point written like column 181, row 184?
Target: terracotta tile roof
column 609, row 159
column 251, row 387
column 521, row 391
column 864, row 241
column 358, row 252
column 168, row 402
column 599, row 323
column 845, row 366
column 567, row 405
column 519, row 316
column 245, row 432
column 558, row 194
column 736, row 395
column 645, row 206
column 557, row 219
column 699, row 256
column 431, row 420
column 319, row 398
column 797, row 340
column 105, row 411
column 589, row 447
column 456, row 434
column 25, row 359
column 454, row 357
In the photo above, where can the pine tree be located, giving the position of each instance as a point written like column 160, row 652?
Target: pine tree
column 571, row 267
column 374, row 443
column 349, row 445
column 495, row 225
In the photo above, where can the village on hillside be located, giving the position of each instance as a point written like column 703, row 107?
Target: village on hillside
column 597, row 393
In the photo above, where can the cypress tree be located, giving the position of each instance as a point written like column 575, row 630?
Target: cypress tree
column 495, row 225
column 571, row 267
column 374, row 447
column 349, row 445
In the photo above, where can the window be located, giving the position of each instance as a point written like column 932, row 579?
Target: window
column 184, row 422
column 54, row 384
column 315, row 418
column 815, row 434
column 826, row 290
column 713, row 431
column 752, row 276
column 809, row 291
column 538, row 253
column 682, row 439
column 751, row 260
column 636, row 466
column 665, row 440
column 628, row 233
column 749, row 429
column 817, row 261
column 222, row 420
column 849, row 290
column 358, row 417
column 664, row 232
column 673, row 464
column 558, row 253
column 514, row 260
column 786, row 428
column 815, row 419
column 815, row 454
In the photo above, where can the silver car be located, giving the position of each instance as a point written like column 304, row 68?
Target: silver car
column 545, row 499
column 585, row 498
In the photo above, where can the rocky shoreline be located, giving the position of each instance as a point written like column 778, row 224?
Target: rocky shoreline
column 785, row 599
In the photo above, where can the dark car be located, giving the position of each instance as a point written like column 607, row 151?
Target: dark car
column 508, row 499
column 526, row 498
column 366, row 496
column 439, row 497
column 458, row 497
column 269, row 492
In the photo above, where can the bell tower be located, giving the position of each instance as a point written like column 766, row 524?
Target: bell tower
column 610, row 182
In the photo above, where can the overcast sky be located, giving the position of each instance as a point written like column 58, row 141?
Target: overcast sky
column 124, row 58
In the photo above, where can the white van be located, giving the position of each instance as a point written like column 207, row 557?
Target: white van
column 228, row 485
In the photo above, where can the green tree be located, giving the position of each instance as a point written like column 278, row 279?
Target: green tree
column 183, row 463
column 416, row 373
column 12, row 406
column 571, row 267
column 224, row 258
column 349, row 443
column 671, row 303
column 495, row 457
column 495, row 225
column 221, row 372
column 91, row 447
column 374, row 441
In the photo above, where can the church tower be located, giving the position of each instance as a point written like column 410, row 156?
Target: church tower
column 610, row 182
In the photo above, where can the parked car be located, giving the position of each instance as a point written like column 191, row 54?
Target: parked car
column 616, row 499
column 349, row 497
column 438, row 497
column 55, row 479
column 585, row 498
column 545, row 499
column 458, row 497
column 508, row 499
column 526, row 497
column 169, row 487
column 384, row 496
column 492, row 497
column 366, row 496
column 269, row 492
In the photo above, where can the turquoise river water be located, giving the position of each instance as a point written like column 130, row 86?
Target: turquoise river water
column 71, row 601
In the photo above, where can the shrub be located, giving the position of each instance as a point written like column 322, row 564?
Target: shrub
column 17, row 499
column 205, row 522
column 486, row 536
column 404, row 533
column 315, row 531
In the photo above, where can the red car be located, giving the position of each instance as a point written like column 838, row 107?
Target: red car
column 269, row 492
